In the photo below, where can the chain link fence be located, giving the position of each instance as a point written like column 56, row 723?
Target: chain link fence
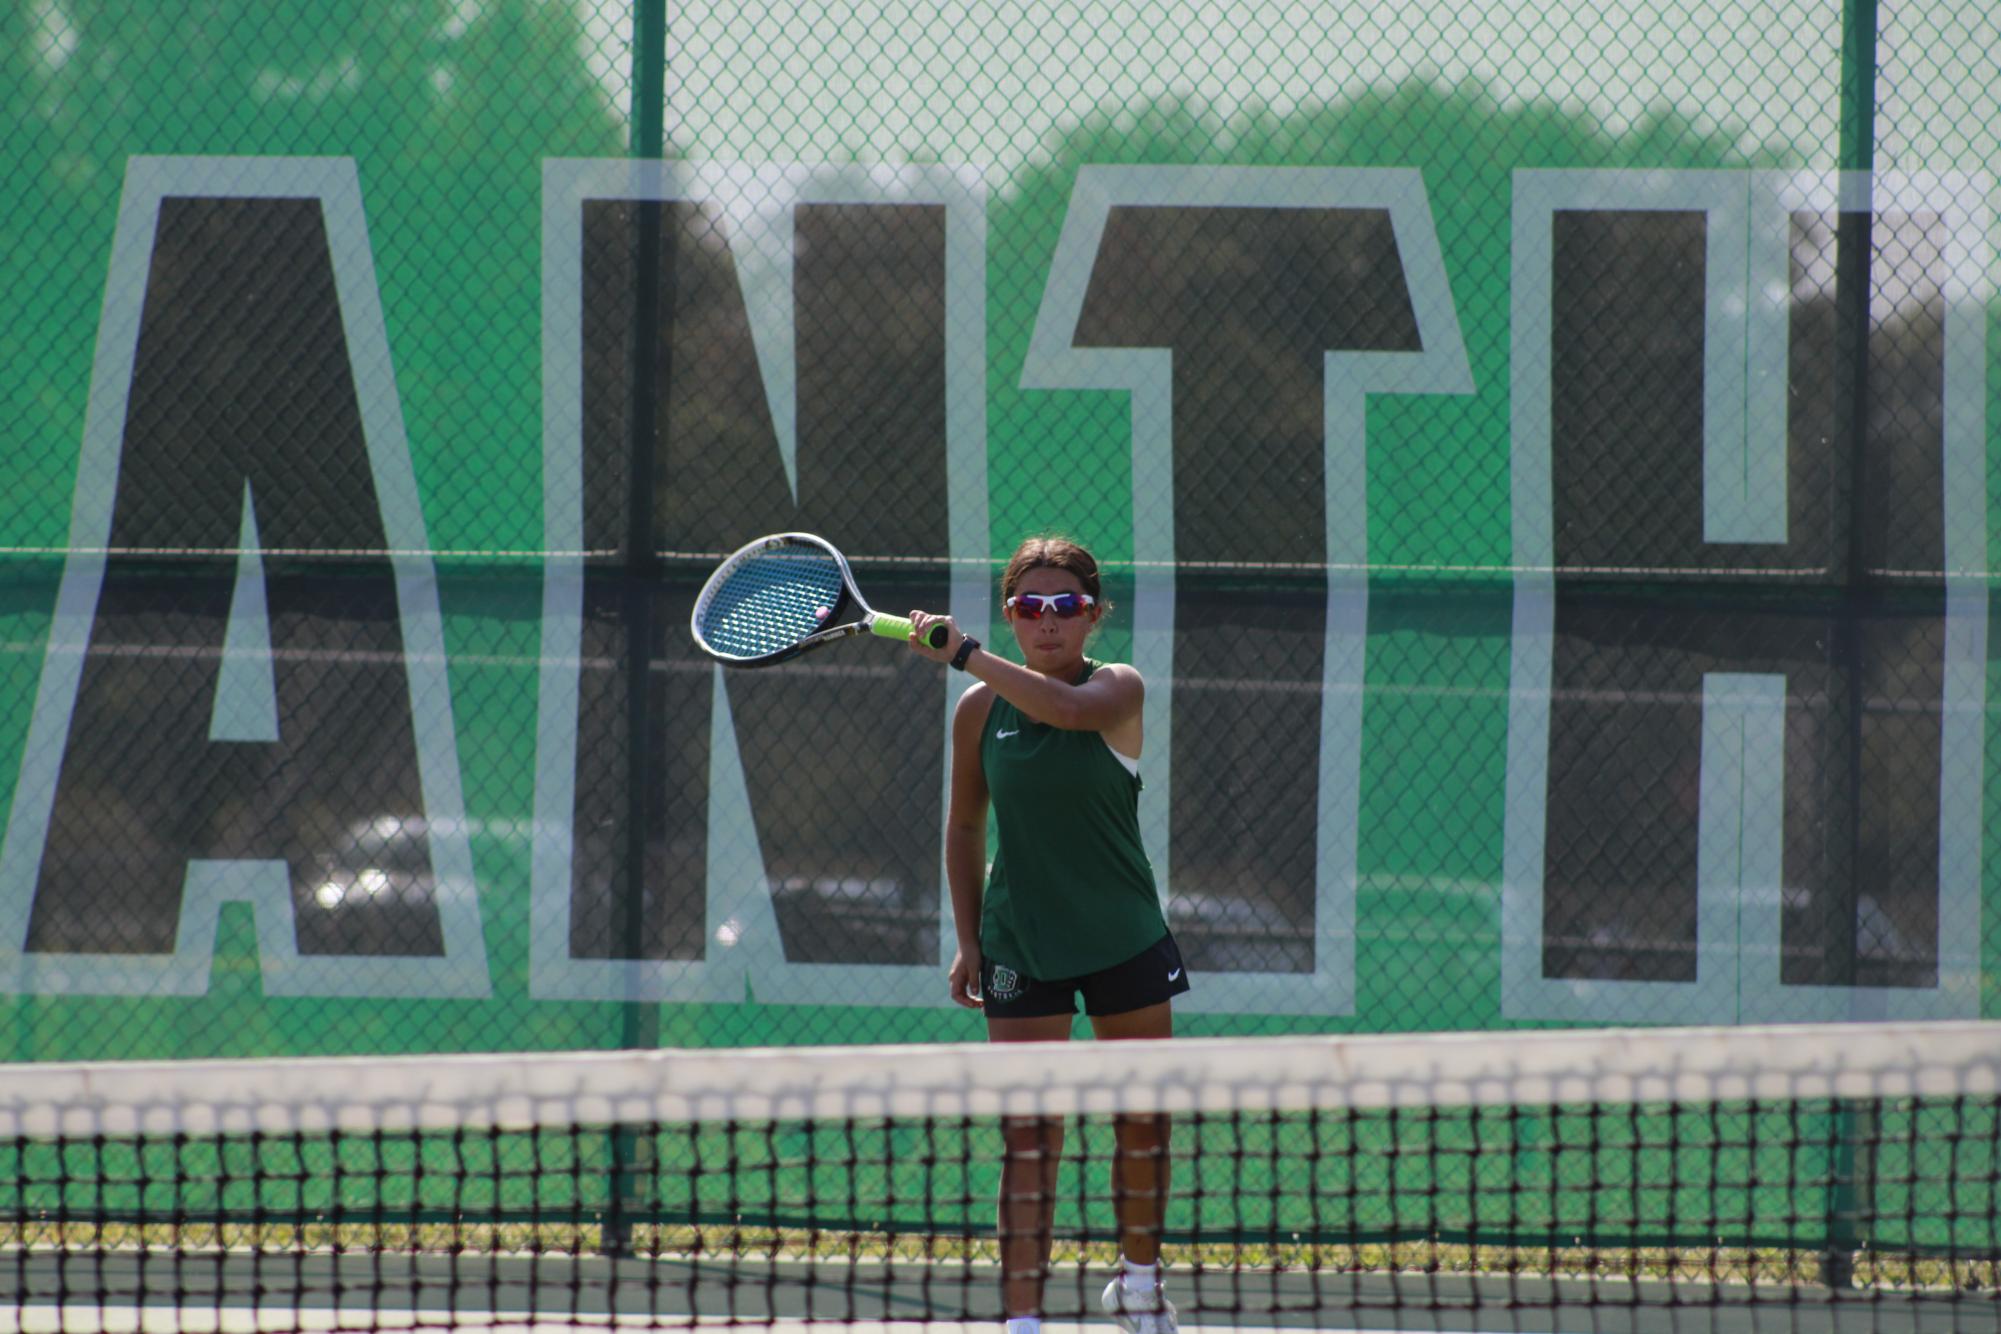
column 1539, row 457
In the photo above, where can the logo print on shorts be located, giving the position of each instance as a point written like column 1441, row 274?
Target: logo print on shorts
column 1006, row 983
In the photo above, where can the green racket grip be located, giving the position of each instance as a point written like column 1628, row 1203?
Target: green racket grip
column 898, row 627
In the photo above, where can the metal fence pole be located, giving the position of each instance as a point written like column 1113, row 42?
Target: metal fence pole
column 652, row 302
column 1854, row 244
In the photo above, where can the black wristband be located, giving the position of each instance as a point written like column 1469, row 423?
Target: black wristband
column 966, row 647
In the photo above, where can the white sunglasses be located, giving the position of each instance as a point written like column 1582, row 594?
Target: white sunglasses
column 1032, row 606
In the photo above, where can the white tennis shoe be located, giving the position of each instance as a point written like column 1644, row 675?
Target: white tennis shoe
column 1140, row 1312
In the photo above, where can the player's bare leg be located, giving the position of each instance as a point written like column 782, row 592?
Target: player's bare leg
column 1139, row 1189
column 1031, row 1153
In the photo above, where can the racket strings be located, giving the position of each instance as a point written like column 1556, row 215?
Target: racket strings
column 771, row 601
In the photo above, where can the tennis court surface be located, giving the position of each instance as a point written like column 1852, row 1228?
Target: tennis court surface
column 1805, row 1178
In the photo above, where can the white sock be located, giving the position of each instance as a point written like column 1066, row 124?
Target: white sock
column 1137, row 1278
column 1024, row 1324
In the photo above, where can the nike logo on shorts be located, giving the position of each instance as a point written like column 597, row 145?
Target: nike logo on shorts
column 1176, row 973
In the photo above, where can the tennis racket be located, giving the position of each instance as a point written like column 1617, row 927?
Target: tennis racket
column 784, row 595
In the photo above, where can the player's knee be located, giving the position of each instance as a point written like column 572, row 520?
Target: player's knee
column 1027, row 1136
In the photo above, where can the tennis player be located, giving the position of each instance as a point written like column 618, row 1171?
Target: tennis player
column 1069, row 906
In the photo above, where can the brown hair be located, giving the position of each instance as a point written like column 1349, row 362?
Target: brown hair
column 1052, row 551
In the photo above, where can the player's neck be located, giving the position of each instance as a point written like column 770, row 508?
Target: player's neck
column 1069, row 673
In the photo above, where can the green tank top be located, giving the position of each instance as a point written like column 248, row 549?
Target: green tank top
column 1071, row 891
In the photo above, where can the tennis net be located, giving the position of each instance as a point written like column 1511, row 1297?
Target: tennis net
column 1778, row 1178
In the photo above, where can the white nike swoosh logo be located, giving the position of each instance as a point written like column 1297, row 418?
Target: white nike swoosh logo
column 999, row 735
column 1176, row 973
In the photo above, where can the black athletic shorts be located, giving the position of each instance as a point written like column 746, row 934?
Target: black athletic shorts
column 1148, row 978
